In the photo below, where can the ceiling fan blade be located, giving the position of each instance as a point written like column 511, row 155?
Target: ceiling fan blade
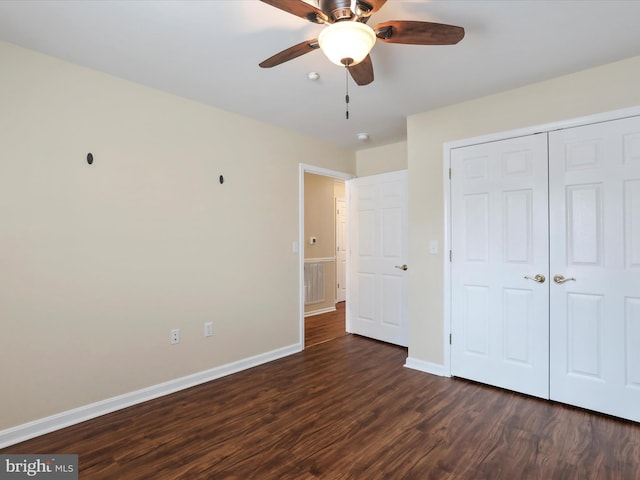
column 418, row 33
column 362, row 73
column 291, row 53
column 300, row 9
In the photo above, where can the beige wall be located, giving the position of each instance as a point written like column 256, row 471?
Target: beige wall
column 339, row 190
column 98, row 263
column 384, row 159
column 605, row 88
column 319, row 222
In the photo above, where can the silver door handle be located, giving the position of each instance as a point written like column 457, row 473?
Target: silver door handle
column 402, row 267
column 560, row 279
column 538, row 278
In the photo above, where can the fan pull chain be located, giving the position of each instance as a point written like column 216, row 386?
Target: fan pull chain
column 346, row 97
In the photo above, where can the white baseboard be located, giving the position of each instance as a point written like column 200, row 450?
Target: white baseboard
column 41, row 426
column 320, row 311
column 427, row 367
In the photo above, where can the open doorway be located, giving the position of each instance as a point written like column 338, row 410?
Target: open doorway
column 323, row 259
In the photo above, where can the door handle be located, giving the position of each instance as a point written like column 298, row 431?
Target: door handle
column 560, row 279
column 538, row 278
column 402, row 267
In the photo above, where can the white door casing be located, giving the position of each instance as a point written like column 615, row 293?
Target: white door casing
column 378, row 286
column 341, row 250
column 499, row 236
column 595, row 239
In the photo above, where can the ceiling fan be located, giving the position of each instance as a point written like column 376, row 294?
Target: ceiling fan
column 347, row 39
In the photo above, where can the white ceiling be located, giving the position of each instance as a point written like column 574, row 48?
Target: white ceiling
column 209, row 51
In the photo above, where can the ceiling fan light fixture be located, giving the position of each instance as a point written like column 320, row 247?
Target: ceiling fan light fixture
column 347, row 42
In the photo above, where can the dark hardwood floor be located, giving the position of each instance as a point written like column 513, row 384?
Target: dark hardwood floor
column 325, row 327
column 347, row 409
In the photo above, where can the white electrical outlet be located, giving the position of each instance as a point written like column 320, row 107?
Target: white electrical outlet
column 174, row 336
column 208, row 329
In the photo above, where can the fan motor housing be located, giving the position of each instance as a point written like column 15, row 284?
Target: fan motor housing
column 341, row 9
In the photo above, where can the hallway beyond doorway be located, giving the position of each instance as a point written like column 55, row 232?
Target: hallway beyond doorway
column 324, row 327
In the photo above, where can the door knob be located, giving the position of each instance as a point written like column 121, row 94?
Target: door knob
column 538, row 278
column 402, row 267
column 560, row 279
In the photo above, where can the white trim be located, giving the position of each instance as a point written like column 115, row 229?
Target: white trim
column 348, row 299
column 447, row 264
column 49, row 424
column 446, row 155
column 319, row 260
column 320, row 311
column 304, row 168
column 427, row 367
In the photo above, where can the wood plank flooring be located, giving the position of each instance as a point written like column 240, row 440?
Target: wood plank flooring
column 325, row 327
column 347, row 409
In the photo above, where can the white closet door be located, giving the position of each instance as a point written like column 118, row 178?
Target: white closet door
column 595, row 245
column 499, row 218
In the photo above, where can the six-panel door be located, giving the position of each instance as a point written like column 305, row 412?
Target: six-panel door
column 595, row 246
column 499, row 237
column 378, row 290
column 592, row 285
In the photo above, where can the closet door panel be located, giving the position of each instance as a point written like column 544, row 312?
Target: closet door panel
column 500, row 236
column 594, row 207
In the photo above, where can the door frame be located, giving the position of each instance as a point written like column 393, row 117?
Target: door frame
column 335, row 208
column 304, row 168
column 493, row 137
